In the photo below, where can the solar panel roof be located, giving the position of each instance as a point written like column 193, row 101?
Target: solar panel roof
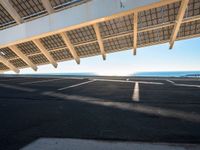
column 162, row 22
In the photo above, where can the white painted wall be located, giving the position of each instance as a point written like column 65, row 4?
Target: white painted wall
column 89, row 11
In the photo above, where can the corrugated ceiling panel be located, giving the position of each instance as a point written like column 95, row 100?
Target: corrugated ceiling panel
column 116, row 26
column 28, row 48
column 88, row 50
column 3, row 67
column 190, row 28
column 159, row 15
column 38, row 59
column 62, row 54
column 5, row 19
column 7, row 53
column 154, row 36
column 118, row 44
column 193, row 8
column 18, row 63
column 117, row 35
column 28, row 8
column 61, row 4
column 82, row 35
column 53, row 42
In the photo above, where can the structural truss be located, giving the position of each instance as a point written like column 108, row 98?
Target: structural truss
column 160, row 22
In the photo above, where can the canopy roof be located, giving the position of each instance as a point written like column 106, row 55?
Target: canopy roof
column 160, row 22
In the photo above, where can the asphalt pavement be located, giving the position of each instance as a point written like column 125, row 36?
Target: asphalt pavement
column 99, row 108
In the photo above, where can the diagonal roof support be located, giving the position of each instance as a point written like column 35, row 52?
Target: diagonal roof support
column 47, row 6
column 179, row 19
column 6, row 4
column 45, row 52
column 8, row 64
column 100, row 41
column 70, row 47
column 135, row 32
column 23, row 57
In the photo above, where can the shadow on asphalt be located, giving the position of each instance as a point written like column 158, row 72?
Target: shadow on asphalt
column 27, row 116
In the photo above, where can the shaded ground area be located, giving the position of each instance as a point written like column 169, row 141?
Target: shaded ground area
column 105, row 110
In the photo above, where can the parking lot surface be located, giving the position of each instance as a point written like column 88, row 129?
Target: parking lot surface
column 102, row 108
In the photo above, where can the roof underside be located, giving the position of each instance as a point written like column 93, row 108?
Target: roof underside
column 32, row 9
column 154, row 26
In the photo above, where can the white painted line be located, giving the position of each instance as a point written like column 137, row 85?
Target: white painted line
column 125, row 81
column 80, row 78
column 170, row 81
column 42, row 81
column 136, row 93
column 72, row 86
column 186, row 85
column 109, row 80
column 144, row 82
column 84, row 144
column 17, row 88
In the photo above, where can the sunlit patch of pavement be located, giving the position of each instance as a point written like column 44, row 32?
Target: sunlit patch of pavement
column 150, row 110
column 25, row 89
column 81, row 144
column 75, row 85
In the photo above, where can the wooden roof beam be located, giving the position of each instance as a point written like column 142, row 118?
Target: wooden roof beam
column 179, row 19
column 47, row 6
column 9, row 8
column 70, row 46
column 100, row 41
column 135, row 32
column 45, row 52
column 8, row 64
column 23, row 57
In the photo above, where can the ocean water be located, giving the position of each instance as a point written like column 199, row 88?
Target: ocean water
column 138, row 74
column 169, row 74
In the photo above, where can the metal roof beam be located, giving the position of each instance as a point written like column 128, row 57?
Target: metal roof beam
column 8, row 64
column 135, row 32
column 47, row 6
column 6, row 4
column 100, row 41
column 45, row 52
column 179, row 19
column 23, row 57
column 54, row 24
column 70, row 47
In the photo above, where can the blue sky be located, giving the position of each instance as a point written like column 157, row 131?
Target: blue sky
column 185, row 56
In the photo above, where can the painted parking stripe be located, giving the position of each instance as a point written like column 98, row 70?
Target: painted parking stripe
column 170, row 81
column 136, row 92
column 186, row 85
column 72, row 86
column 125, row 81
